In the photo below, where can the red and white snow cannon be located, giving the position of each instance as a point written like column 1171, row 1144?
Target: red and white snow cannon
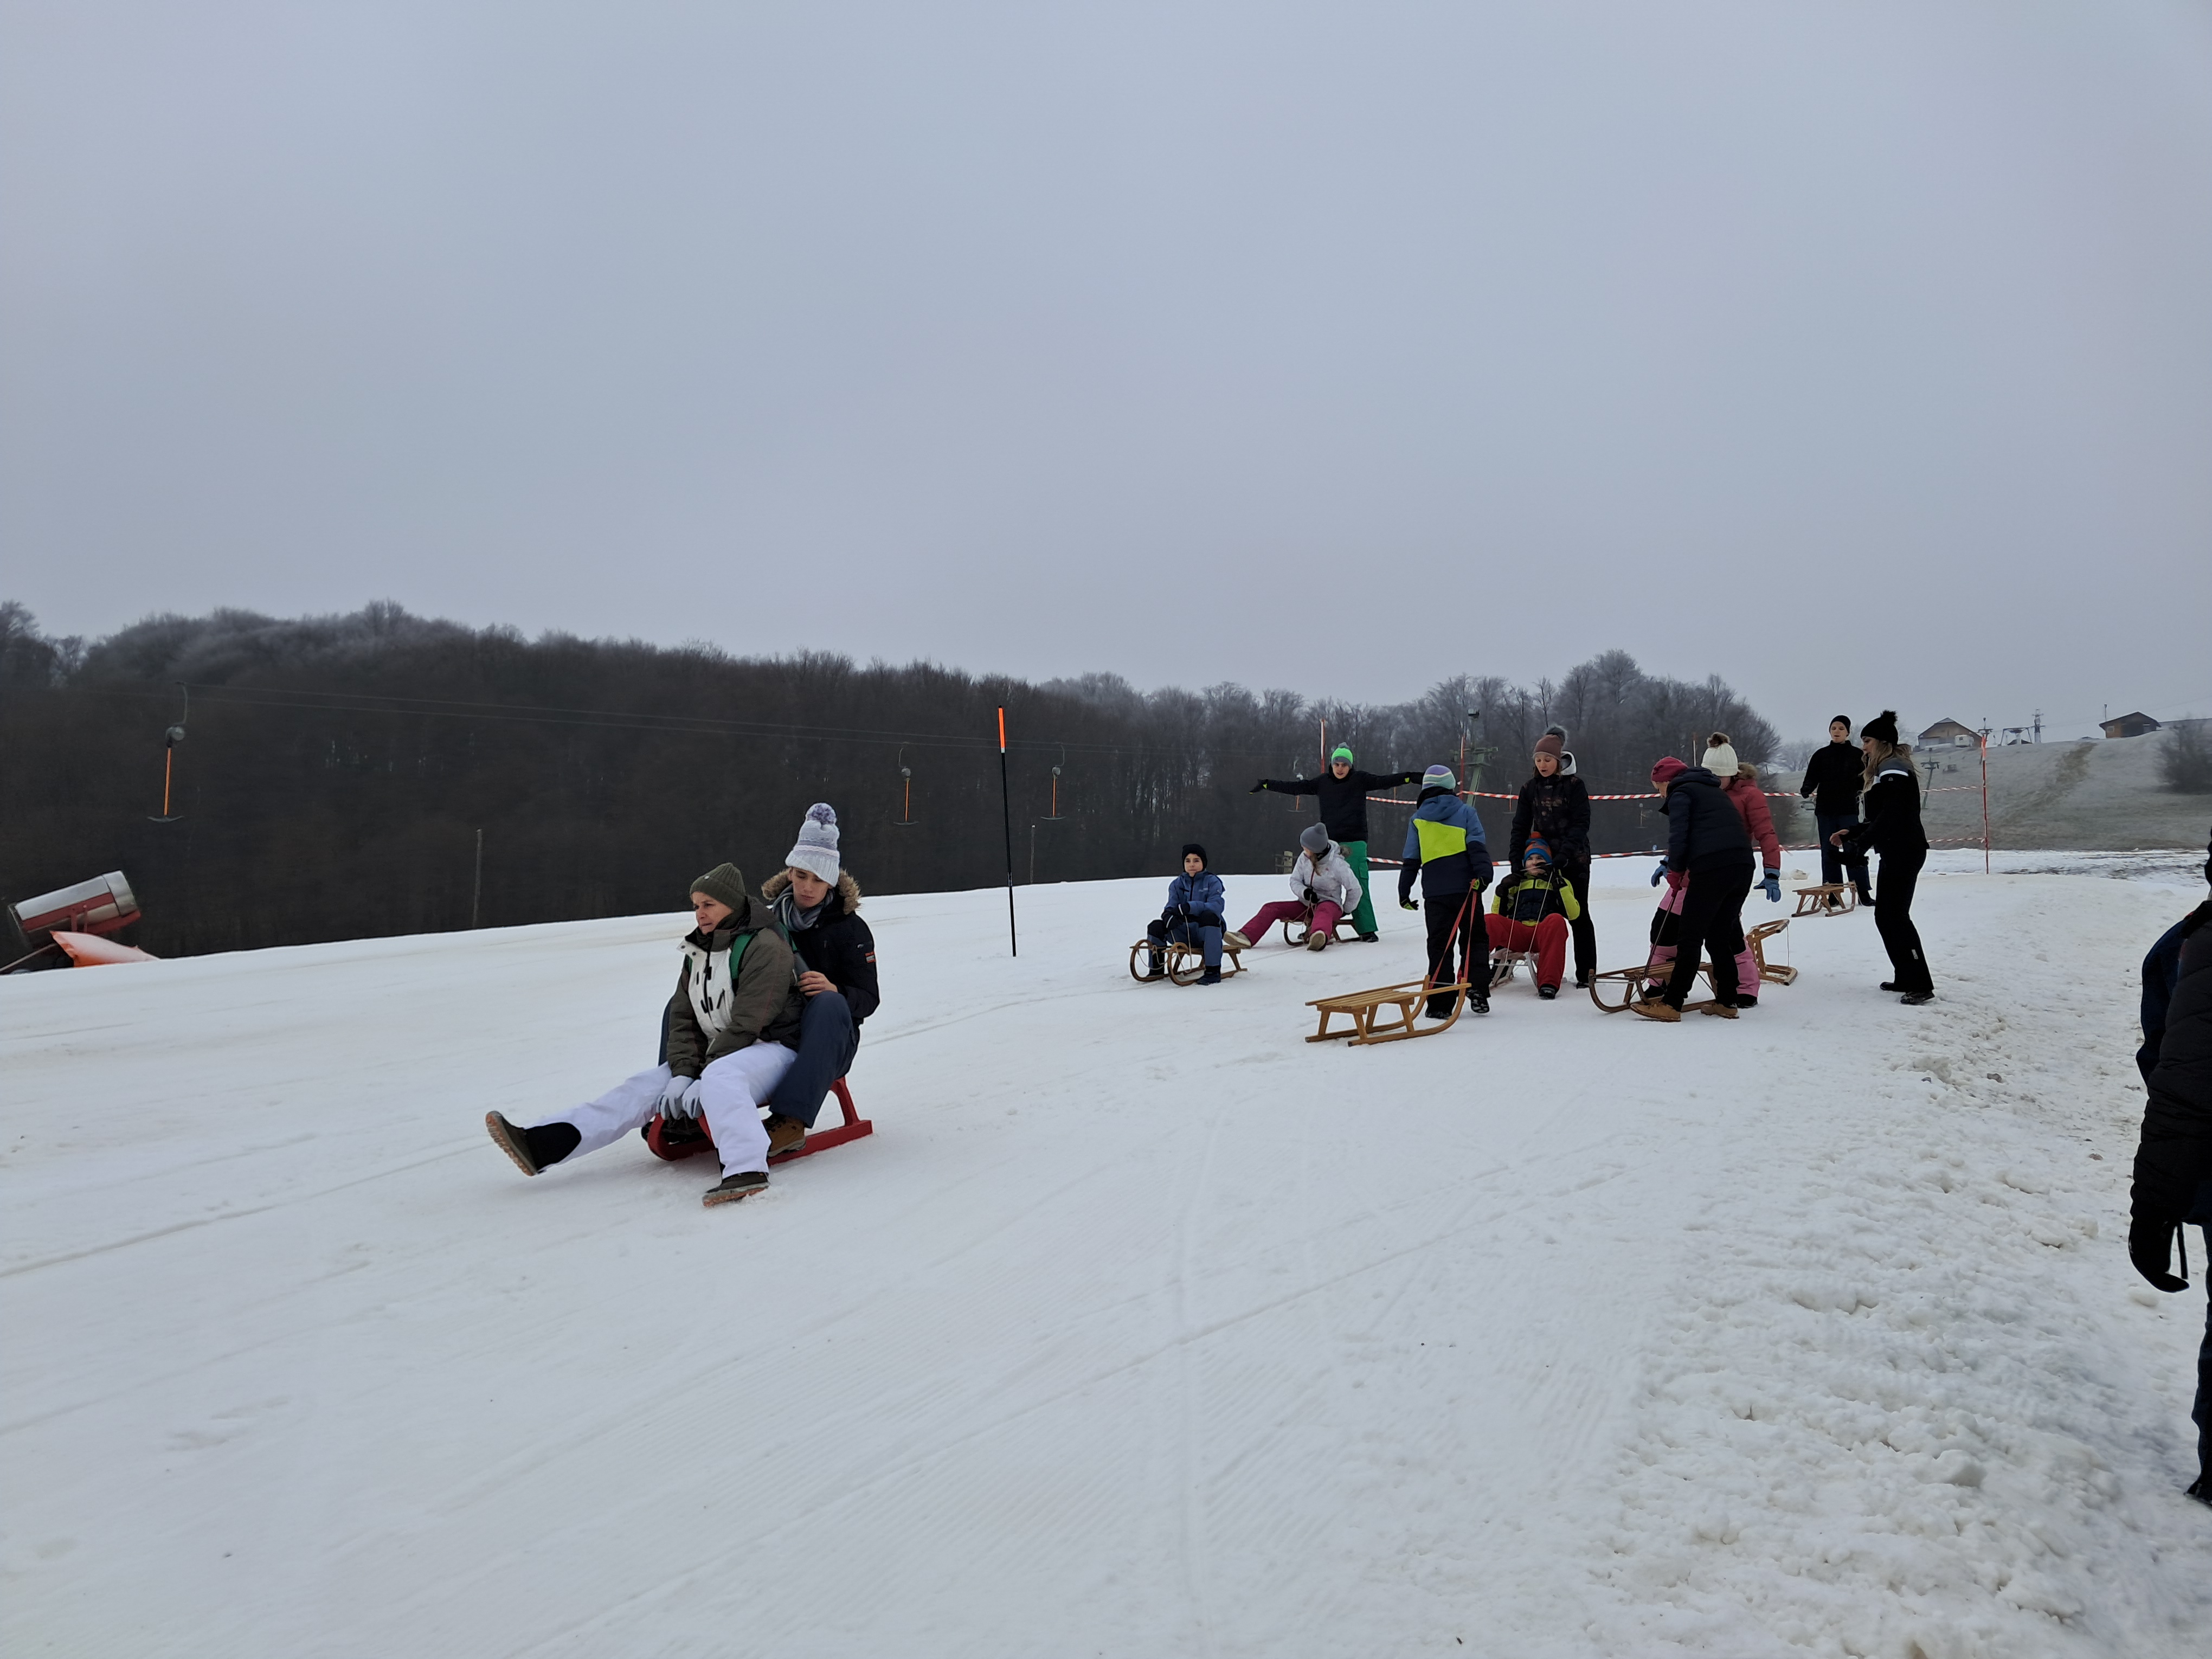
column 70, row 922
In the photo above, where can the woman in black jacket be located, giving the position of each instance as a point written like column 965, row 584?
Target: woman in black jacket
column 1706, row 843
column 1891, row 828
column 1555, row 805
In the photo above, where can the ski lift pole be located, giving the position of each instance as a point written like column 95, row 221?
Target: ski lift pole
column 1007, row 816
column 1985, row 803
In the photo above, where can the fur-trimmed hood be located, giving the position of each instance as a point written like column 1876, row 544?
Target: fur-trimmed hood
column 847, row 890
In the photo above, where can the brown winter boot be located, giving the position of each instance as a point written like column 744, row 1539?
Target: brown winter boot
column 732, row 1188
column 1665, row 1013
column 783, row 1133
column 1724, row 1010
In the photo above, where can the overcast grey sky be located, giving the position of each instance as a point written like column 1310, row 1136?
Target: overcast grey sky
column 1862, row 353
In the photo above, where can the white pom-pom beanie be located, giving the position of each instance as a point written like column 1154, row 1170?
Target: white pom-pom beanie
column 816, row 851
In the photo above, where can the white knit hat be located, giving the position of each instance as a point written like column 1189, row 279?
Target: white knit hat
column 1720, row 756
column 816, row 851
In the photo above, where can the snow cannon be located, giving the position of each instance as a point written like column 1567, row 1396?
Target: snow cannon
column 105, row 904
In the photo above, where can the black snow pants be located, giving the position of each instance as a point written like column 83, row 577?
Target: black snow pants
column 1711, row 924
column 1466, row 909
column 1892, row 919
column 1577, row 871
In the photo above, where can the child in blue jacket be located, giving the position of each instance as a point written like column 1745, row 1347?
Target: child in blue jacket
column 1445, row 843
column 1197, row 903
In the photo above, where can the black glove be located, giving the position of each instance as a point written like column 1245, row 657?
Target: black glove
column 2150, row 1246
column 1310, row 897
column 1257, row 788
column 1205, row 919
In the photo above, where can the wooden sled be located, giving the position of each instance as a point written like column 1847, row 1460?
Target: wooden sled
column 1814, row 900
column 687, row 1137
column 1769, row 973
column 1185, row 963
column 1296, row 933
column 1361, row 1007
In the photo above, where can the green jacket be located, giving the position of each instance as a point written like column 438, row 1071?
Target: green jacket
column 760, row 1003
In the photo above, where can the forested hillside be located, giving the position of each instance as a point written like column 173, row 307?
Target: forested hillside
column 336, row 771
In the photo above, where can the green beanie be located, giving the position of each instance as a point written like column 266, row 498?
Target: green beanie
column 1341, row 752
column 726, row 883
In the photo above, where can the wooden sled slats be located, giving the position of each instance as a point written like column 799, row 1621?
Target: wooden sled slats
column 1814, row 900
column 1185, row 963
column 1361, row 1008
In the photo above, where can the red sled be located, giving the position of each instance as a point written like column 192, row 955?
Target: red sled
column 687, row 1137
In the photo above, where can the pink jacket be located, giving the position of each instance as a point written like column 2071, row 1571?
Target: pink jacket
column 1751, row 804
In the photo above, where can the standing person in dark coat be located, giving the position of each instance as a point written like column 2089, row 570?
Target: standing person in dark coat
column 1832, row 777
column 1555, row 805
column 1708, row 845
column 1446, row 847
column 817, row 904
column 1343, row 795
column 1893, row 829
column 2173, row 1159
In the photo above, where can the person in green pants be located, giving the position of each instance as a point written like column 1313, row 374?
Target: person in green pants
column 1343, row 792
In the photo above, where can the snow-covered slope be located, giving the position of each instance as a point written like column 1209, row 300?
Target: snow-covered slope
column 2108, row 793
column 1141, row 1327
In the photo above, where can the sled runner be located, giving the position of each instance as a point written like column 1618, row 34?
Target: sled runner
column 1835, row 898
column 1184, row 962
column 687, row 1137
column 1625, row 986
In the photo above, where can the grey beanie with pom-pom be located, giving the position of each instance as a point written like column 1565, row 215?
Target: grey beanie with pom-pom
column 816, row 851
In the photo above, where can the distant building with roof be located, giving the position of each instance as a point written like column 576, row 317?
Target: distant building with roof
column 1951, row 733
column 2130, row 725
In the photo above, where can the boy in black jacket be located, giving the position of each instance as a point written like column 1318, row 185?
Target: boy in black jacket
column 1832, row 782
column 817, row 904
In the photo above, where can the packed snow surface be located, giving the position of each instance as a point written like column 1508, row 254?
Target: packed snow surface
column 1140, row 1326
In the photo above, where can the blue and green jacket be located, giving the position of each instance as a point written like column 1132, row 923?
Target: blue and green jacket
column 1445, row 843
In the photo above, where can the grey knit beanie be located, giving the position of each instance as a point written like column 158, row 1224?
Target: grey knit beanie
column 1315, row 839
column 816, row 850
column 725, row 884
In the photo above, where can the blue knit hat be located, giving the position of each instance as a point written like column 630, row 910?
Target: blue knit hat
column 1440, row 777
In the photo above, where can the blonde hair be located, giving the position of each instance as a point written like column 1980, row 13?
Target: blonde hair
column 1881, row 752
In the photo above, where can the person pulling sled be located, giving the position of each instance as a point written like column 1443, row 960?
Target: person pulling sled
column 1446, row 847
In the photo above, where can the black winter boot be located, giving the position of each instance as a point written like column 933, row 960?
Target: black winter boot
column 533, row 1150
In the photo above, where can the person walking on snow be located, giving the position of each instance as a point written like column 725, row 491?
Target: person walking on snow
column 1325, row 886
column 1709, row 847
column 1534, row 908
column 2173, row 1156
column 1445, row 843
column 1343, row 795
column 730, row 1026
column 1832, row 781
column 1555, row 805
column 1197, row 903
column 1893, row 829
column 817, row 905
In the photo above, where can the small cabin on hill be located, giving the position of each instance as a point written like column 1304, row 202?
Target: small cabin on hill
column 2130, row 725
column 1949, row 732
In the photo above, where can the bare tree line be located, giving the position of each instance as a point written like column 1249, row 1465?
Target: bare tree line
column 337, row 770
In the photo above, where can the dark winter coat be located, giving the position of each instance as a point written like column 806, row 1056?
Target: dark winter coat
column 1526, row 899
column 839, row 947
column 1832, row 778
column 2174, row 1157
column 763, row 1000
column 2160, row 968
column 1201, row 900
column 1557, row 808
column 1704, row 830
column 1891, row 823
column 1445, row 844
column 1343, row 800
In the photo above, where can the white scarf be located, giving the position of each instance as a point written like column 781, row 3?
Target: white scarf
column 709, row 981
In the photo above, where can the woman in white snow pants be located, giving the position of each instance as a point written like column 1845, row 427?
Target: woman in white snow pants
column 731, row 1090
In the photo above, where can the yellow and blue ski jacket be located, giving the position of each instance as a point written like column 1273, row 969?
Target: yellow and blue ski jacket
column 1445, row 843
